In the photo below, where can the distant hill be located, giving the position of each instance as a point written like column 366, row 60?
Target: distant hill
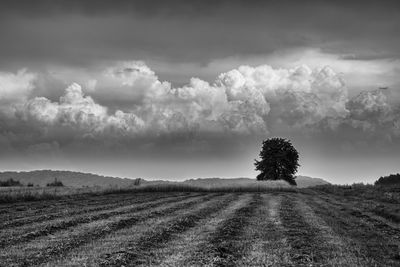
column 306, row 181
column 79, row 179
column 68, row 178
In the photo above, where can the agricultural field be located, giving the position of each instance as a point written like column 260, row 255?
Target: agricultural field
column 300, row 228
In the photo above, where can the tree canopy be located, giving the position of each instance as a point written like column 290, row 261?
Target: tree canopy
column 279, row 161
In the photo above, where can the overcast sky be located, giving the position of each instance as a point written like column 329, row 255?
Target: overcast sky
column 187, row 89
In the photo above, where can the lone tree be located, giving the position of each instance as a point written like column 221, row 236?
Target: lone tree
column 279, row 161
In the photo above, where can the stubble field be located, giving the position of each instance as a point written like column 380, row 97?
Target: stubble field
column 305, row 228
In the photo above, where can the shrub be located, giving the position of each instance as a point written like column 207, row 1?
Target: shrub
column 389, row 180
column 10, row 182
column 55, row 183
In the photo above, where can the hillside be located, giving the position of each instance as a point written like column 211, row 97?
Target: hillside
column 68, row 178
column 78, row 179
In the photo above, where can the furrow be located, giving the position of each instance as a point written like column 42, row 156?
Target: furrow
column 269, row 246
column 371, row 212
column 61, row 246
column 49, row 209
column 141, row 251
column 48, row 228
column 306, row 246
column 20, row 208
column 226, row 247
column 333, row 246
column 363, row 239
column 68, row 211
column 185, row 244
column 90, row 253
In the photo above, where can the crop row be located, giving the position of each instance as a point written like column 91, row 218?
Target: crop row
column 213, row 229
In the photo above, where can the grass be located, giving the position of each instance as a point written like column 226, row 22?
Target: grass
column 386, row 194
column 372, row 240
column 35, row 230
column 310, row 227
column 265, row 234
column 160, row 235
column 302, row 238
column 34, row 214
column 223, row 248
column 179, row 242
column 12, row 195
column 68, row 238
column 20, row 194
column 187, row 243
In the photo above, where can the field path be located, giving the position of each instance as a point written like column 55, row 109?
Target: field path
column 269, row 245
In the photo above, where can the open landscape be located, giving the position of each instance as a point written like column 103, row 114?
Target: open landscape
column 307, row 227
column 32, row 185
column 199, row 133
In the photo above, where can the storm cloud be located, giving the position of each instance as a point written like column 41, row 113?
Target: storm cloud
column 192, row 32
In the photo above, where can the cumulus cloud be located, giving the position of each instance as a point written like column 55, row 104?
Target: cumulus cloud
column 15, row 87
column 371, row 120
column 296, row 97
column 371, row 112
column 78, row 114
column 246, row 101
column 128, row 82
column 369, row 105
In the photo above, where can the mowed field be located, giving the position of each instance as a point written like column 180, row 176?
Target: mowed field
column 305, row 228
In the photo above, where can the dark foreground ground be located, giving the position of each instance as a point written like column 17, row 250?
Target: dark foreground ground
column 308, row 228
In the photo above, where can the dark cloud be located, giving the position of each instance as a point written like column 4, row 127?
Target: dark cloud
column 181, row 7
column 85, row 32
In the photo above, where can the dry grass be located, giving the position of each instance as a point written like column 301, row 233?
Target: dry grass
column 12, row 195
column 269, row 246
column 174, row 228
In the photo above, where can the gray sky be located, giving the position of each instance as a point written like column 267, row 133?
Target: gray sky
column 189, row 89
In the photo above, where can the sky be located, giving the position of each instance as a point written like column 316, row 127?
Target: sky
column 187, row 89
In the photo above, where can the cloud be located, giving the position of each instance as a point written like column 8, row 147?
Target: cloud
column 77, row 115
column 210, row 30
column 15, row 86
column 15, row 89
column 241, row 103
column 371, row 119
column 295, row 97
column 369, row 105
column 372, row 110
